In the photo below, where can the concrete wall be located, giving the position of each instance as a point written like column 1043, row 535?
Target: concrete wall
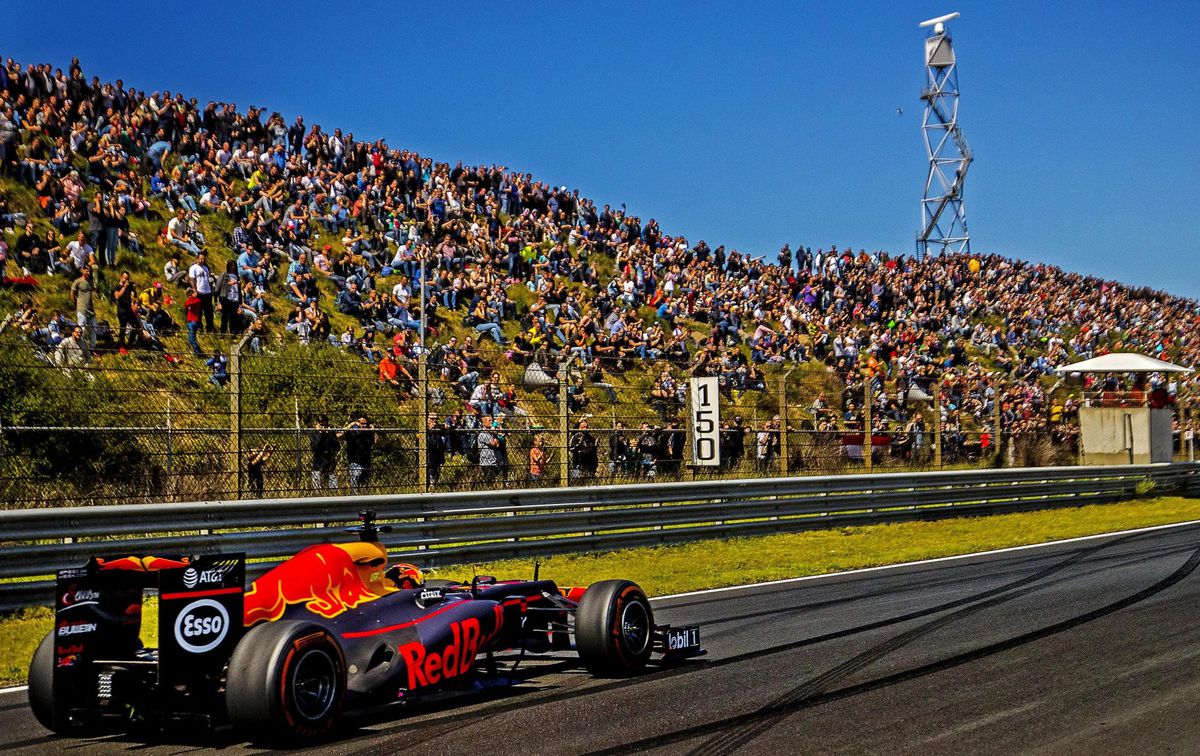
column 1107, row 435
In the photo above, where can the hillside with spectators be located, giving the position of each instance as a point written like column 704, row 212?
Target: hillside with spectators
column 143, row 222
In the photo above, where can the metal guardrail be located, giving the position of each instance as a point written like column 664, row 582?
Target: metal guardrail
column 455, row 528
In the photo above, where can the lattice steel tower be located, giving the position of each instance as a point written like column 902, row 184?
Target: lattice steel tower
column 943, row 218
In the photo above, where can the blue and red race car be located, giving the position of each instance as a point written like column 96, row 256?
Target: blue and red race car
column 332, row 629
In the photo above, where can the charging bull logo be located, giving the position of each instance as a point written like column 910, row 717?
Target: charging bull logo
column 327, row 578
column 141, row 564
column 429, row 667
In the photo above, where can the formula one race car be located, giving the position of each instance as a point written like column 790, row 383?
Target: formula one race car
column 331, row 629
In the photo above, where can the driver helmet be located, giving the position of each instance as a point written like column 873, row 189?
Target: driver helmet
column 406, row 575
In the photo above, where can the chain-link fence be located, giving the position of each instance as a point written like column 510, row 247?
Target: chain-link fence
column 303, row 420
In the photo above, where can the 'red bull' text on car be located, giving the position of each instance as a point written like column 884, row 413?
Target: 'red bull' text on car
column 332, row 629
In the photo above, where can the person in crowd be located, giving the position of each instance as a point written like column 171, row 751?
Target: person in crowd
column 582, row 450
column 129, row 325
column 83, row 300
column 74, row 351
column 200, row 279
column 324, row 443
column 177, row 233
column 218, row 363
column 256, row 460
column 537, row 459
column 488, row 444
column 360, row 438
column 193, row 308
column 436, row 447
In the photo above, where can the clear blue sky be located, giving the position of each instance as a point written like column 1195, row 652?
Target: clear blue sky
column 748, row 124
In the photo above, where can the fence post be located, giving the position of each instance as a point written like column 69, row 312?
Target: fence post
column 689, row 467
column 170, row 450
column 784, row 456
column 996, row 445
column 1185, row 423
column 868, row 463
column 299, row 446
column 235, row 410
column 564, row 423
column 937, row 424
column 235, row 417
column 423, row 415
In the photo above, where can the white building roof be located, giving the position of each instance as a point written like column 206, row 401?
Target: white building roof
column 1123, row 362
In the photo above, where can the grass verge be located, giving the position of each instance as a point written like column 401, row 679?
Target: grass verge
column 714, row 564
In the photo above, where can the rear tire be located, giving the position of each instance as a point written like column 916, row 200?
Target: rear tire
column 41, row 689
column 614, row 628
column 286, row 681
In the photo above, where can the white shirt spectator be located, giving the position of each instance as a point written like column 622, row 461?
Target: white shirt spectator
column 80, row 252
column 176, row 229
column 201, row 277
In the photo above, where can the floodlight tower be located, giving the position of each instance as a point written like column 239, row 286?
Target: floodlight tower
column 943, row 218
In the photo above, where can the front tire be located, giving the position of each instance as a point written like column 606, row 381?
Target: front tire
column 286, row 681
column 614, row 628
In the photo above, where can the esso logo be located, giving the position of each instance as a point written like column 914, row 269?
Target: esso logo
column 201, row 626
column 190, row 577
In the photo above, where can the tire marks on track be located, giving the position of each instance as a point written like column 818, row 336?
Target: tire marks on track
column 745, row 727
column 445, row 722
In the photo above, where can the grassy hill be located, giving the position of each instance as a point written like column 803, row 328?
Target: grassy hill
column 286, row 387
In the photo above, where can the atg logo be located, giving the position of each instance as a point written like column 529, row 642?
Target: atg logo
column 201, row 626
column 215, row 574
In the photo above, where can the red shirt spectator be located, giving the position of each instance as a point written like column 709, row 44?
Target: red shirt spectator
column 191, row 307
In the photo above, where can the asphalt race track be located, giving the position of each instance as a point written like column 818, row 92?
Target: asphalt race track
column 1084, row 647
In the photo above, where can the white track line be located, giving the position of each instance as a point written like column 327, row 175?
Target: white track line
column 925, row 561
column 22, row 688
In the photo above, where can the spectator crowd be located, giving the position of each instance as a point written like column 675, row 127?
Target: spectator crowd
column 322, row 222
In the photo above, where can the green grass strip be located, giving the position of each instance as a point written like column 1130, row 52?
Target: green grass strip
column 715, row 564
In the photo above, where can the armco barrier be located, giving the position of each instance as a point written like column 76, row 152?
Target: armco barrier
column 454, row 528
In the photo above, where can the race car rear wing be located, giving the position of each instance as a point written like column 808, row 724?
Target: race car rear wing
column 98, row 620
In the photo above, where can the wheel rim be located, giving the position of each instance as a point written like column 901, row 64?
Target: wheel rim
column 635, row 627
column 314, row 685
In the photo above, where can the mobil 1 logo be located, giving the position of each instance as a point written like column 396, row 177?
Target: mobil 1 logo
column 201, row 626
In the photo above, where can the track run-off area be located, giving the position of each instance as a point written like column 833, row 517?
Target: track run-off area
column 1087, row 645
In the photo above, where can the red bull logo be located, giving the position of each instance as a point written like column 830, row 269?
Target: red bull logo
column 141, row 564
column 327, row 578
column 429, row 667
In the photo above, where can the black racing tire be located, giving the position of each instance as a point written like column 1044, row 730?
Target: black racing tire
column 41, row 688
column 614, row 628
column 286, row 682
